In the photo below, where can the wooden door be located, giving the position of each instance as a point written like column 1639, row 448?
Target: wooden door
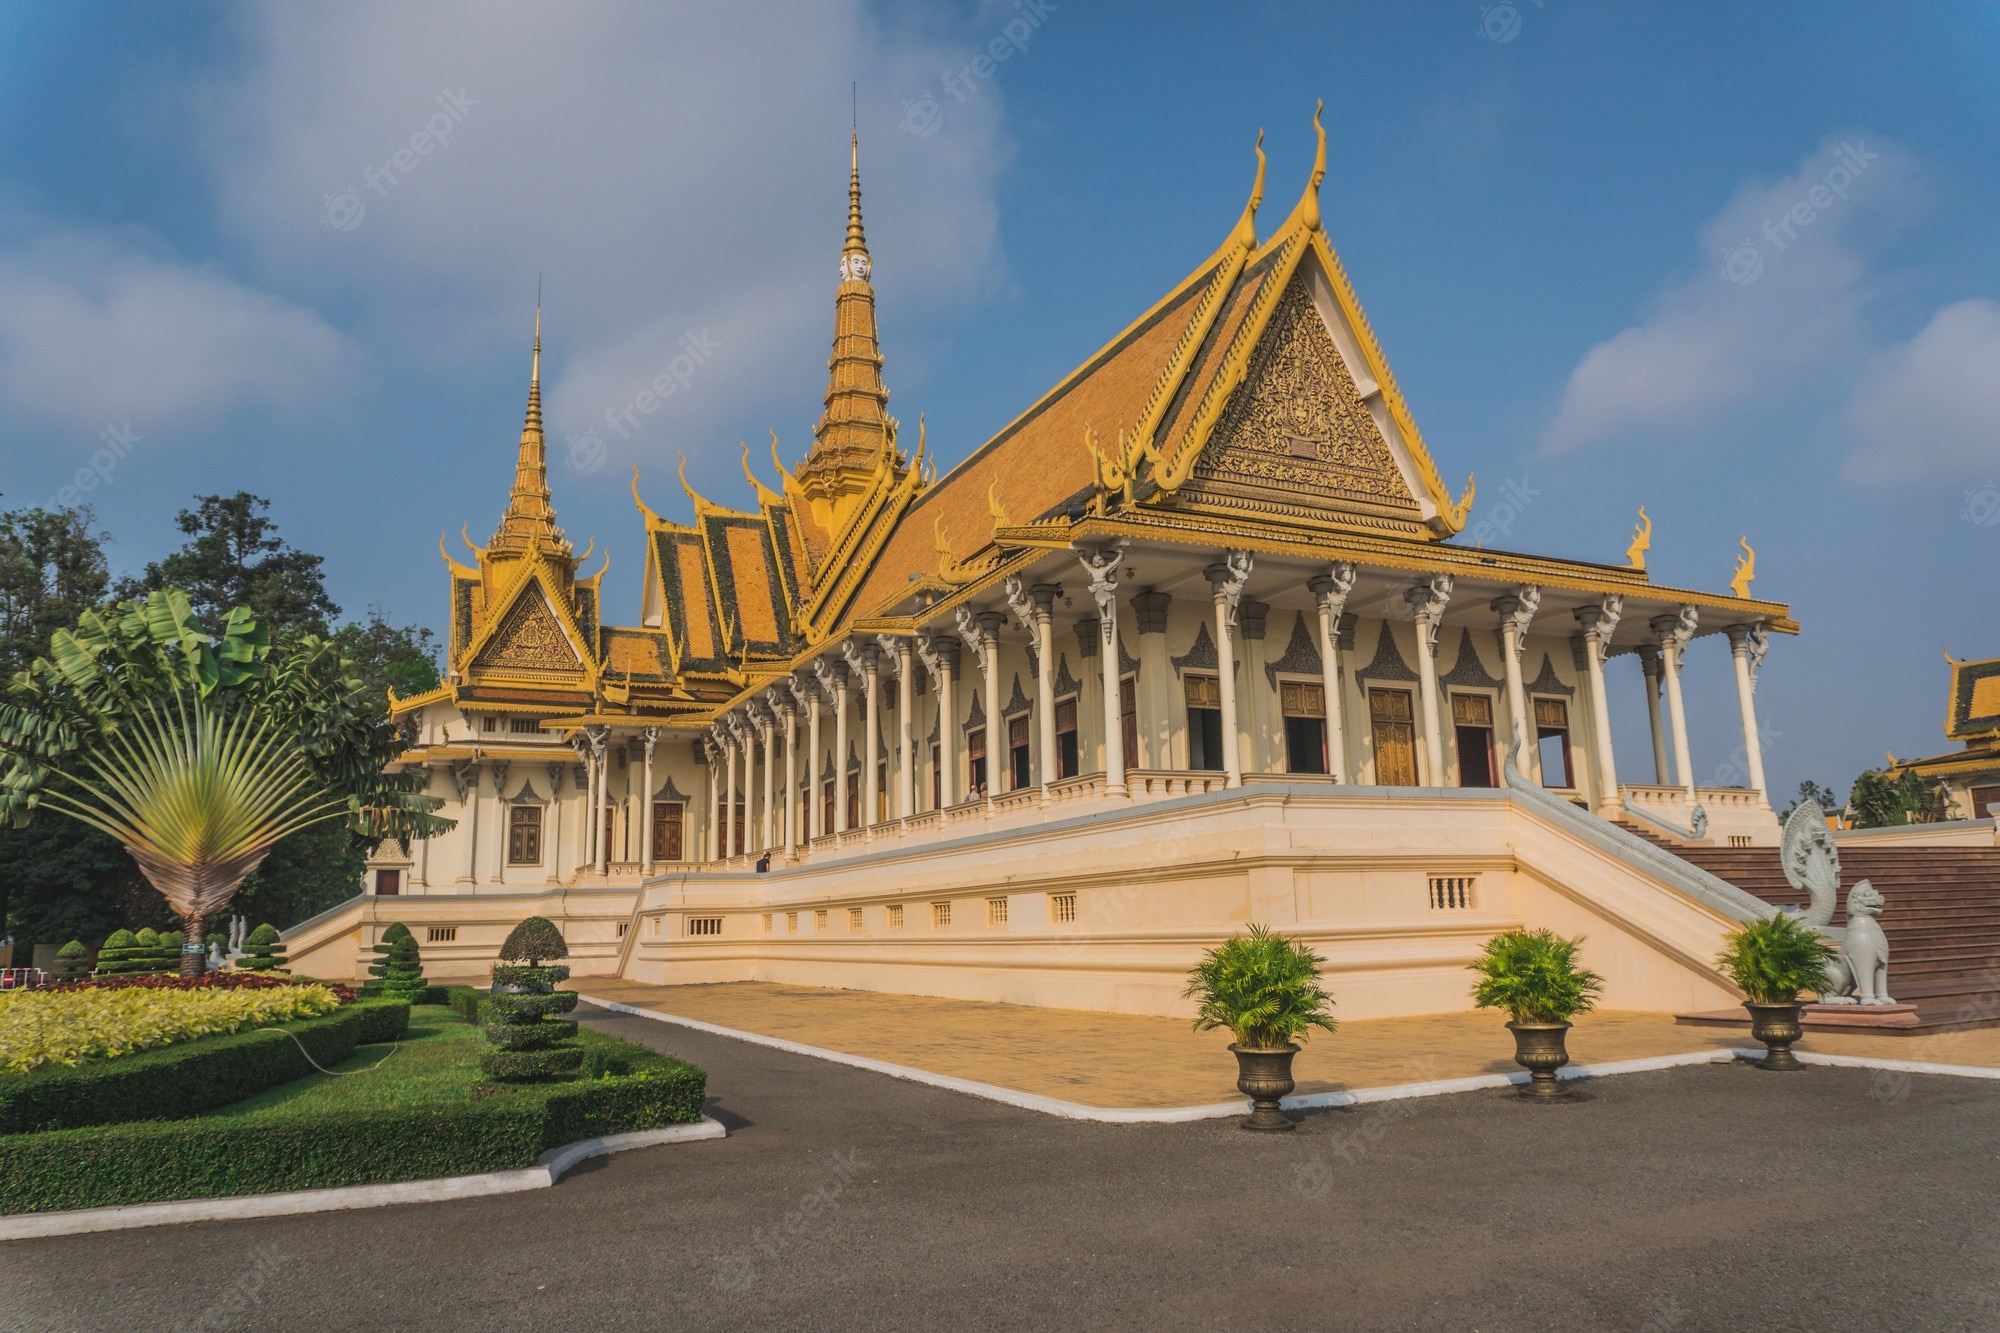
column 1392, row 718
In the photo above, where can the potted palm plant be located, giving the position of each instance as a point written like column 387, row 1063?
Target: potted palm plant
column 1534, row 976
column 1264, row 987
column 1771, row 960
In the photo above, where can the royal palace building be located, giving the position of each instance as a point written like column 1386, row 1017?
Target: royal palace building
column 1198, row 639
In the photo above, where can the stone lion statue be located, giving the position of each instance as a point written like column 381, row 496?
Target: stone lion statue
column 1859, row 974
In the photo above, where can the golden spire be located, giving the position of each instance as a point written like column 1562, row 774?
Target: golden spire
column 530, row 520
column 854, row 438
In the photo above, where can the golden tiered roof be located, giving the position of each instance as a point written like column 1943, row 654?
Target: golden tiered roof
column 1251, row 406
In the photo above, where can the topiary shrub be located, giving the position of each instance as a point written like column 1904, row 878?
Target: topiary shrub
column 398, row 968
column 129, row 954
column 534, row 942
column 263, row 951
column 168, row 959
column 72, row 962
column 519, row 1020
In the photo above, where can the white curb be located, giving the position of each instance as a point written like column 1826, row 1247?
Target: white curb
column 1867, row 1062
column 547, row 1169
column 1162, row 1115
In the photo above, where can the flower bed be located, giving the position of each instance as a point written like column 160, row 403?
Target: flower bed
column 208, row 981
column 422, row 1113
column 69, row 1027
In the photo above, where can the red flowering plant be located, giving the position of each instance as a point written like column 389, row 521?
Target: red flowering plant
column 207, row 981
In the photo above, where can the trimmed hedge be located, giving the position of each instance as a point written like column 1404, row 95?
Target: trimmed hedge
column 465, row 1001
column 507, row 1129
column 190, row 1077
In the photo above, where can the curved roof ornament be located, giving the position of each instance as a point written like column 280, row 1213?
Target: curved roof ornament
column 1246, row 226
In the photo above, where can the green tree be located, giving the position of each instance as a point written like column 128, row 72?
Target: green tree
column 141, row 700
column 1880, row 800
column 1824, row 797
column 237, row 559
column 388, row 657
column 60, row 880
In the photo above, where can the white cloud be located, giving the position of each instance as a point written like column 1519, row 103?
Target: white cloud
column 670, row 169
column 95, row 330
column 1781, row 288
column 1930, row 408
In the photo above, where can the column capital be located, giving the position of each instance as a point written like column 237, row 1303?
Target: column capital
column 1045, row 595
column 1151, row 608
column 1102, row 563
column 1517, row 611
column 973, row 630
column 649, row 737
column 1330, row 589
column 1750, row 642
column 1016, row 593
column 1649, row 660
column 1674, row 630
column 1427, row 598
column 831, row 675
column 1227, row 577
column 1599, row 622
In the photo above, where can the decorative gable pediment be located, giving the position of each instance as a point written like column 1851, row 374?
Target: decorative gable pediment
column 1297, row 441
column 529, row 640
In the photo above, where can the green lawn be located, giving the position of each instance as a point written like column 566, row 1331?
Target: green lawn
column 437, row 1061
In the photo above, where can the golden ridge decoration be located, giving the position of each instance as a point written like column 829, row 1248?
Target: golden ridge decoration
column 1000, row 519
column 1746, row 569
column 1642, row 541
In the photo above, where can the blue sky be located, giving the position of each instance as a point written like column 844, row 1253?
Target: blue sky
column 1548, row 211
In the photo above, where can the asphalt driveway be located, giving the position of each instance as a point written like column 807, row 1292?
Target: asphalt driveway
column 1698, row 1198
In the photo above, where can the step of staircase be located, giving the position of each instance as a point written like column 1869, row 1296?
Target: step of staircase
column 1941, row 913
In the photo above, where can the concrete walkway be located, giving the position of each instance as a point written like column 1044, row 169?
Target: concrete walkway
column 1717, row 1197
column 1127, row 1060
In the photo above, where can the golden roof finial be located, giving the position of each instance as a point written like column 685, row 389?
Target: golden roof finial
column 1746, row 569
column 1246, row 226
column 1642, row 542
column 1306, row 214
column 856, row 239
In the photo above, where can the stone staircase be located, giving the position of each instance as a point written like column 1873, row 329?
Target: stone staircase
column 1941, row 913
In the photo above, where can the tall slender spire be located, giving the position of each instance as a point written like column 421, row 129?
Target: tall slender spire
column 530, row 520
column 855, row 435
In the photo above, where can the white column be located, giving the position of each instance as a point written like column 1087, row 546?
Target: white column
column 1599, row 623
column 733, row 745
column 1428, row 599
column 1649, row 668
column 1045, row 595
column 715, row 849
column 906, row 717
column 600, row 750
column 840, row 711
column 871, row 736
column 948, row 733
column 1102, row 566
column 1227, row 580
column 751, row 844
column 649, row 737
column 767, row 723
column 1747, row 645
column 1675, row 632
column 815, row 812
column 1517, row 612
column 998, row 761
column 467, row 778
column 791, row 717
column 1330, row 592
column 555, row 817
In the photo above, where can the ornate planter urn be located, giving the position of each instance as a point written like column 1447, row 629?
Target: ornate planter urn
column 1541, row 1049
column 1777, row 1026
column 1264, row 1077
